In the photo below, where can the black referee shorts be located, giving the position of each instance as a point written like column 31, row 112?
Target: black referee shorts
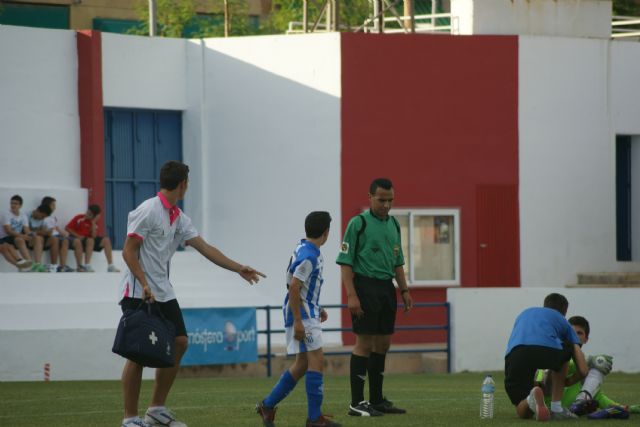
column 379, row 303
column 170, row 310
column 523, row 361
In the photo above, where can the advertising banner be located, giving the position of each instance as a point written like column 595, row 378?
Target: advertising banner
column 219, row 336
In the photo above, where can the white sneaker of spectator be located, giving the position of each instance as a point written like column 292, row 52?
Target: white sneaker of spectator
column 52, row 268
column 113, row 269
column 88, row 268
column 23, row 264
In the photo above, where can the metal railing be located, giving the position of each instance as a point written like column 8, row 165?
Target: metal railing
column 269, row 355
column 625, row 27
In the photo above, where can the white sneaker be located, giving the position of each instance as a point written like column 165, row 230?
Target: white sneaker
column 135, row 422
column 89, row 269
column 162, row 417
column 24, row 264
column 535, row 400
column 113, row 269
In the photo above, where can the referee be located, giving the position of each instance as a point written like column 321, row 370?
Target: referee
column 370, row 258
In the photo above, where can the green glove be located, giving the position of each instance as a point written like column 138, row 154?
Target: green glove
column 601, row 362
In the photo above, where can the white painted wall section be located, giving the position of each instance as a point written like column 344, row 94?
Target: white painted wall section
column 482, row 320
column 144, row 72
column 566, row 18
column 567, row 161
column 270, row 153
column 38, row 109
column 625, row 90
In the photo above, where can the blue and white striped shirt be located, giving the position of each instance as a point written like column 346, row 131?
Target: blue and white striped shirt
column 305, row 265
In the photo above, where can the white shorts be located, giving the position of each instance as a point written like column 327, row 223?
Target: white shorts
column 312, row 340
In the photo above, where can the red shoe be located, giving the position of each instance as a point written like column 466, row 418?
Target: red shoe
column 267, row 414
column 323, row 421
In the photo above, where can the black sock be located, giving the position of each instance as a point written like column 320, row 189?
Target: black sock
column 376, row 376
column 358, row 376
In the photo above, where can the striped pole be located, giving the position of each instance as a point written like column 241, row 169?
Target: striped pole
column 47, row 370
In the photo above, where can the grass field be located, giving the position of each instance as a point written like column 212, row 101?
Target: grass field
column 431, row 400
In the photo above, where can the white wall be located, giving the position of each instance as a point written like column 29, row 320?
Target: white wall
column 269, row 112
column 69, row 319
column 38, row 109
column 625, row 90
column 566, row 18
column 567, row 161
column 482, row 319
column 143, row 72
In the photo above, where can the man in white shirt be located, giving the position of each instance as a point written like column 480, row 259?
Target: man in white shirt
column 155, row 229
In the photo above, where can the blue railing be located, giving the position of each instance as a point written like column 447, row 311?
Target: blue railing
column 446, row 327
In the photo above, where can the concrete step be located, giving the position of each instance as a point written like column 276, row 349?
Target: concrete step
column 413, row 363
column 603, row 285
column 628, row 278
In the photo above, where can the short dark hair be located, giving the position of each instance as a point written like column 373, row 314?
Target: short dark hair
column 95, row 210
column 557, row 302
column 45, row 209
column 316, row 223
column 173, row 173
column 47, row 200
column 582, row 322
column 380, row 182
column 17, row 198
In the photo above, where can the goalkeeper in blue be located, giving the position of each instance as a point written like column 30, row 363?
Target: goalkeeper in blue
column 302, row 318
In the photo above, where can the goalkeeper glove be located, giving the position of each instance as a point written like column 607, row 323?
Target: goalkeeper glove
column 601, row 362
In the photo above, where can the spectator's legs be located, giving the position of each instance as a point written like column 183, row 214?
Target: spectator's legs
column 38, row 246
column 21, row 245
column 64, row 251
column 88, row 250
column 77, row 251
column 106, row 245
column 6, row 251
column 165, row 376
column 131, row 382
column 54, row 248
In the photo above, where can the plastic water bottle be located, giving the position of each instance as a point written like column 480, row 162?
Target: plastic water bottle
column 486, row 403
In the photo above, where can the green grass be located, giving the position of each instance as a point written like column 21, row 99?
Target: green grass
column 433, row 400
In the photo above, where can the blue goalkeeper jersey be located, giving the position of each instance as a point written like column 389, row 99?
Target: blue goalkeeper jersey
column 541, row 326
column 305, row 265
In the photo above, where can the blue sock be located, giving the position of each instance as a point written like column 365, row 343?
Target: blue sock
column 281, row 390
column 314, row 394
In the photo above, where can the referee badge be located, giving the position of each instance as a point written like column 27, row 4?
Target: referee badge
column 344, row 248
column 396, row 250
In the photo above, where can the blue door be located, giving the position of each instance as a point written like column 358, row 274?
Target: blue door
column 137, row 144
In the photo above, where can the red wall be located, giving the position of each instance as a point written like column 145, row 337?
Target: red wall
column 438, row 116
column 89, row 45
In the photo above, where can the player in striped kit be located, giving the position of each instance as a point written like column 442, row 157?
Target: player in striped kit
column 302, row 317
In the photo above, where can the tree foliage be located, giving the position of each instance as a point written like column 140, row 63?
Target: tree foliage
column 179, row 18
column 626, row 8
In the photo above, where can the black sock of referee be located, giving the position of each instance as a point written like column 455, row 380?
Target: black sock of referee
column 376, row 376
column 358, row 376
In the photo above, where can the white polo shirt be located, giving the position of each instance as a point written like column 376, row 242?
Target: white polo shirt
column 162, row 228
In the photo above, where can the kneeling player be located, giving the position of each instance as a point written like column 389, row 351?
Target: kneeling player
column 541, row 339
column 302, row 317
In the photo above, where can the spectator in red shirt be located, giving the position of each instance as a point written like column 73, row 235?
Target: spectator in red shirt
column 84, row 228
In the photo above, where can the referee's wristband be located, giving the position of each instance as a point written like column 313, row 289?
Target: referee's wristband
column 404, row 291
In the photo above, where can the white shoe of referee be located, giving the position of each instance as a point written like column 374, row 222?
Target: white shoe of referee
column 161, row 416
